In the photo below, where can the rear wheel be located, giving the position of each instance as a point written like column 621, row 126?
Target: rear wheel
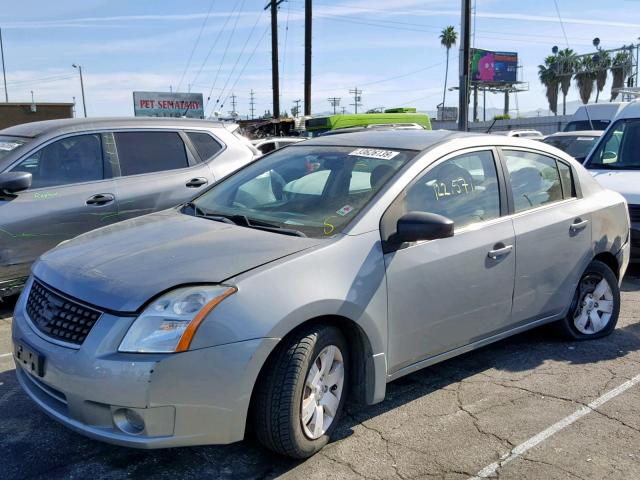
column 596, row 304
column 301, row 394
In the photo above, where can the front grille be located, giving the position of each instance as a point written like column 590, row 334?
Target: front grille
column 634, row 213
column 58, row 317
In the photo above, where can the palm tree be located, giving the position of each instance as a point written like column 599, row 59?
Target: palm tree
column 566, row 65
column 602, row 70
column 620, row 69
column 548, row 76
column 585, row 76
column 448, row 38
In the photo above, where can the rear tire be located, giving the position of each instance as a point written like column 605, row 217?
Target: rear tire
column 595, row 306
column 301, row 393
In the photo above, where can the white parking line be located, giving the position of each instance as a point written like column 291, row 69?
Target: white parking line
column 519, row 450
column 6, row 355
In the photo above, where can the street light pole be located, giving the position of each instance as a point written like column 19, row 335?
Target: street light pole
column 463, row 98
column 84, row 104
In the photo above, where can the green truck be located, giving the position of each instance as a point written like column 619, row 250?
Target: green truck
column 400, row 117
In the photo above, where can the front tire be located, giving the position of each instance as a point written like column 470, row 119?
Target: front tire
column 596, row 304
column 302, row 391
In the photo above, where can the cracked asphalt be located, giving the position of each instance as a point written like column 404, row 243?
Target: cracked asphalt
column 445, row 422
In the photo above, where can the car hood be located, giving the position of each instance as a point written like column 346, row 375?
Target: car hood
column 625, row 182
column 120, row 267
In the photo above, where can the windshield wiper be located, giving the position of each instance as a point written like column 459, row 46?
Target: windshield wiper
column 243, row 221
column 262, row 225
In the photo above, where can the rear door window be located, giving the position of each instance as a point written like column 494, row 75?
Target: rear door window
column 147, row 152
column 535, row 180
column 74, row 159
column 205, row 145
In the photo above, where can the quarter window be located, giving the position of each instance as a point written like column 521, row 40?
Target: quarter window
column 205, row 145
column 463, row 188
column 70, row 160
column 568, row 190
column 146, row 152
column 535, row 180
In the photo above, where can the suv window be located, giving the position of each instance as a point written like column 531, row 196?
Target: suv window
column 205, row 145
column 535, row 180
column 70, row 160
column 463, row 188
column 619, row 149
column 145, row 152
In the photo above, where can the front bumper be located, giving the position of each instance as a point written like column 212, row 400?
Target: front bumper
column 196, row 397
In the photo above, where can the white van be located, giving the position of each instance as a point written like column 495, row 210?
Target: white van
column 595, row 116
column 615, row 163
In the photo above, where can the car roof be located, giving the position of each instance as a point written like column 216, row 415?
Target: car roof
column 402, row 139
column 632, row 110
column 34, row 129
column 578, row 133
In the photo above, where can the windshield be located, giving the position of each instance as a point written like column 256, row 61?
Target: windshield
column 311, row 190
column 619, row 149
column 576, row 146
column 9, row 144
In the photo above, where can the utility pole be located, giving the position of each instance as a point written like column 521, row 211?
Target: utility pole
column 275, row 80
column 335, row 102
column 296, row 109
column 465, row 36
column 307, row 57
column 357, row 97
column 73, row 109
column 84, row 104
column 252, row 103
column 233, row 104
column 343, row 110
column 4, row 73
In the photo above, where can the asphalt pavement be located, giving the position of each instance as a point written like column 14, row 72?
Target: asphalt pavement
column 530, row 407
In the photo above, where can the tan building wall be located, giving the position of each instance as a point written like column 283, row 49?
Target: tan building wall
column 17, row 113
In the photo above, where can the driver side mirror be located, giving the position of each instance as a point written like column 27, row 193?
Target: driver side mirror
column 416, row 226
column 12, row 182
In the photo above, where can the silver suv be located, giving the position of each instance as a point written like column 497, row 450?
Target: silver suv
column 61, row 178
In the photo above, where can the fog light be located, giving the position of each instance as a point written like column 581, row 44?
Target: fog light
column 129, row 421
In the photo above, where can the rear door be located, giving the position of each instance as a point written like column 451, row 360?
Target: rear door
column 553, row 233
column 158, row 169
column 72, row 192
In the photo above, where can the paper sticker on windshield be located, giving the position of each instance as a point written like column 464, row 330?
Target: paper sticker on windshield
column 346, row 210
column 586, row 139
column 374, row 153
column 8, row 146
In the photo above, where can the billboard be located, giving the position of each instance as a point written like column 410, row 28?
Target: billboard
column 168, row 104
column 493, row 67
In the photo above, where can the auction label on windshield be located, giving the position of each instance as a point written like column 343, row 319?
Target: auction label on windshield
column 374, row 153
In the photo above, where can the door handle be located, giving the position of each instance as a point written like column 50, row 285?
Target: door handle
column 197, row 182
column 499, row 252
column 100, row 199
column 578, row 224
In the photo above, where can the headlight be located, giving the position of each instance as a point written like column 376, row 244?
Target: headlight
column 169, row 323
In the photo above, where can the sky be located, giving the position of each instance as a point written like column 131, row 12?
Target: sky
column 387, row 48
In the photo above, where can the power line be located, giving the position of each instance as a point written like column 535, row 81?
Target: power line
column 238, row 59
column 284, row 53
column 224, row 54
column 249, row 58
column 564, row 32
column 356, row 98
column 215, row 43
column 195, row 45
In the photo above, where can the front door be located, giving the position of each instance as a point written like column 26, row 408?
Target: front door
column 71, row 193
column 446, row 293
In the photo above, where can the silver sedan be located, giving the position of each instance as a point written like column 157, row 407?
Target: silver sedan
column 322, row 271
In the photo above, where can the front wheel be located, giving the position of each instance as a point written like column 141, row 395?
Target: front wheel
column 301, row 394
column 596, row 304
